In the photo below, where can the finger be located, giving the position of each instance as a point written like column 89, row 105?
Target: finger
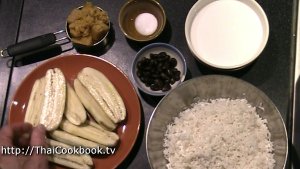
column 21, row 128
column 23, row 141
column 22, row 134
column 38, row 136
column 8, row 133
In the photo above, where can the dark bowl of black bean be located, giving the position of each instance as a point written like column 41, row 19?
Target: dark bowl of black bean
column 158, row 68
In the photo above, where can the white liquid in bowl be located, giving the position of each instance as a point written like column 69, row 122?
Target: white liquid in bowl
column 227, row 33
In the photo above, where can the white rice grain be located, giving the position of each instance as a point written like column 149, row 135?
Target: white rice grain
column 219, row 134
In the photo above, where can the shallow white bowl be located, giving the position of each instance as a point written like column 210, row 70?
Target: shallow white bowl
column 229, row 33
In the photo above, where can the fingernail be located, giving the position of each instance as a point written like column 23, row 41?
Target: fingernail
column 41, row 127
column 26, row 136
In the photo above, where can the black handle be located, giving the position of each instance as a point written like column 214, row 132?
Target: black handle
column 31, row 44
column 37, row 55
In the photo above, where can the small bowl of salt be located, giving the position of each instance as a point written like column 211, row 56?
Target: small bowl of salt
column 142, row 20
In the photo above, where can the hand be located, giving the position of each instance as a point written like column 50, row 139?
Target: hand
column 23, row 135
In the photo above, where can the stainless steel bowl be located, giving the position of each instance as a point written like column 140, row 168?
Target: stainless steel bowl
column 98, row 45
column 212, row 87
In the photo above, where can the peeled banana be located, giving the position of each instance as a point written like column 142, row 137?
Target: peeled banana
column 73, row 140
column 35, row 102
column 55, row 97
column 104, row 93
column 97, row 125
column 74, row 110
column 107, row 139
column 58, row 160
column 78, row 158
column 92, row 106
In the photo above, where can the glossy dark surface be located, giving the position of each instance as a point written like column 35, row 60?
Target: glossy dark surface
column 8, row 33
column 272, row 72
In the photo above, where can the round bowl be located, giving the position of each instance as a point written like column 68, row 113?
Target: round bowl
column 132, row 9
column 101, row 43
column 206, row 88
column 226, row 34
column 156, row 48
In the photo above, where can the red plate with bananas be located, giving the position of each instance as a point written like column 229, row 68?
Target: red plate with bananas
column 95, row 104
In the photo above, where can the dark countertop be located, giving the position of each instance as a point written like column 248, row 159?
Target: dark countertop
column 8, row 34
column 272, row 72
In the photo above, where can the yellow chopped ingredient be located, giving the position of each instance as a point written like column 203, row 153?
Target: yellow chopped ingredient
column 87, row 25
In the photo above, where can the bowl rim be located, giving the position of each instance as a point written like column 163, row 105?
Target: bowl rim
column 95, row 44
column 252, row 4
column 156, row 33
column 224, row 76
column 150, row 46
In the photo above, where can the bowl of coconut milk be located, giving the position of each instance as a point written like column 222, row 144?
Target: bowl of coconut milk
column 226, row 34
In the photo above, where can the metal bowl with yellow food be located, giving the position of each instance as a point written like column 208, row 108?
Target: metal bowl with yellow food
column 88, row 27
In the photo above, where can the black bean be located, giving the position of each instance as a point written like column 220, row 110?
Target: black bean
column 168, row 57
column 148, row 84
column 165, row 57
column 139, row 65
column 153, row 71
column 154, row 87
column 169, row 72
column 166, row 87
column 173, row 70
column 159, row 83
column 155, row 75
column 146, row 73
column 176, row 73
column 167, row 81
column 147, row 68
column 150, row 81
column 177, row 77
column 172, row 81
column 143, row 79
column 152, row 63
column 139, row 73
column 143, row 59
column 166, row 65
column 164, row 76
column 162, row 53
column 152, row 56
column 160, row 65
column 173, row 62
column 158, row 71
column 161, row 59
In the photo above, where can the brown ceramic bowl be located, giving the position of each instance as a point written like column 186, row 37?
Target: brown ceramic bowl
column 70, row 66
column 131, row 9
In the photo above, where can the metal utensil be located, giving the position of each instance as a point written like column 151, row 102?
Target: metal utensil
column 29, row 46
